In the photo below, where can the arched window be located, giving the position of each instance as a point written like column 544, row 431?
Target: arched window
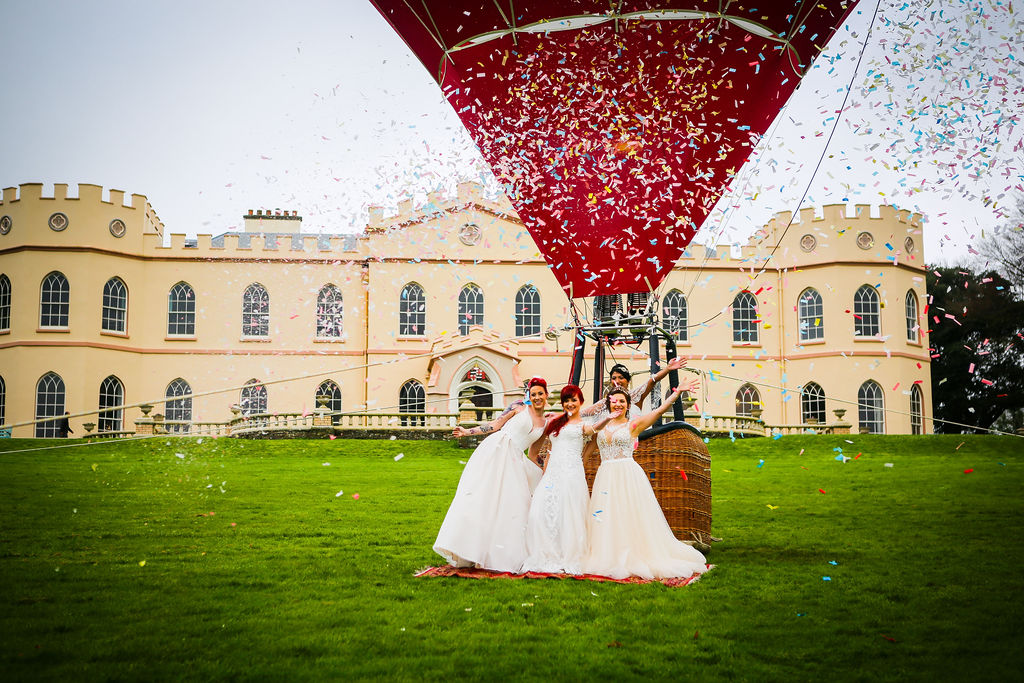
column 916, row 410
column 471, row 308
column 329, row 313
column 747, row 400
column 527, row 311
column 810, row 312
column 111, row 399
column 870, row 408
column 412, row 399
column 254, row 398
column 866, row 316
column 673, row 313
column 115, row 306
column 54, row 301
column 330, row 390
column 49, row 403
column 911, row 309
column 3, row 401
column 412, row 311
column 744, row 318
column 812, row 403
column 178, row 411
column 255, row 311
column 5, row 303
column 181, row 311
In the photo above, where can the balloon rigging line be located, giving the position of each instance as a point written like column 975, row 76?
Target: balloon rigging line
column 817, row 166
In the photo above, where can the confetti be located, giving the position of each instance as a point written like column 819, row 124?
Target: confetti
column 402, row 455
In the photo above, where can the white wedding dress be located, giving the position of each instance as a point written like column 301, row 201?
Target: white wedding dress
column 486, row 522
column 556, row 530
column 627, row 529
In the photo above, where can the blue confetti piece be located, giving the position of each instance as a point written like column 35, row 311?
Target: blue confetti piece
column 833, row 562
column 826, row 578
column 760, row 463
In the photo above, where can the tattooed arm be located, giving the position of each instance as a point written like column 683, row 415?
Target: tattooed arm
column 492, row 426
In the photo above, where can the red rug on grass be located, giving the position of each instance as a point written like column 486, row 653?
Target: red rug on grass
column 476, row 573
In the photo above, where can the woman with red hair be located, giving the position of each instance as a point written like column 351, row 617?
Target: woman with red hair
column 556, row 527
column 486, row 522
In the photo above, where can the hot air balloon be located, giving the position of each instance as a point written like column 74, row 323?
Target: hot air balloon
column 615, row 126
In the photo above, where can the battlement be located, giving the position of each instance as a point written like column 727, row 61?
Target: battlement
column 88, row 194
column 467, row 194
column 251, row 245
column 846, row 214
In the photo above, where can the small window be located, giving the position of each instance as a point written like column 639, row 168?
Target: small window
column 916, row 410
column 115, row 306
column 5, row 303
column 747, row 400
column 673, row 314
column 255, row 311
column 329, row 313
column 49, row 403
column 812, row 403
column 471, row 308
column 178, row 411
column 527, row 312
column 911, row 309
column 111, row 401
column 870, row 408
column 3, row 401
column 866, row 313
column 330, row 390
column 54, row 301
column 412, row 311
column 811, row 315
column 744, row 318
column 253, row 399
column 412, row 399
column 181, row 311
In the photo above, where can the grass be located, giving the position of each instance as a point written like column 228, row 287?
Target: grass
column 255, row 569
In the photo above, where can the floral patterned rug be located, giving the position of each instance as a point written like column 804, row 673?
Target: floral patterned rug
column 477, row 573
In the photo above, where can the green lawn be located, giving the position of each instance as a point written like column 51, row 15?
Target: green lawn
column 173, row 559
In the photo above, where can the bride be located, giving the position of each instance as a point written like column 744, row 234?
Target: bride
column 556, row 528
column 486, row 523
column 626, row 527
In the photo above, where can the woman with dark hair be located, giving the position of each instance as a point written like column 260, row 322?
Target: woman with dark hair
column 556, row 527
column 627, row 530
column 619, row 377
column 486, row 522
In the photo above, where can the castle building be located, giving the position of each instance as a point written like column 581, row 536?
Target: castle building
column 100, row 308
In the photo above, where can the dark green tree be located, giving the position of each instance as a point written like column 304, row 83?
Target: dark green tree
column 977, row 347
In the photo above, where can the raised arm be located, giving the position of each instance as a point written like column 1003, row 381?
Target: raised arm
column 646, row 420
column 674, row 364
column 600, row 424
column 491, row 426
column 593, row 409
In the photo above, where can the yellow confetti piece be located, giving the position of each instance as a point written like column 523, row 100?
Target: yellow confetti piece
column 142, row 563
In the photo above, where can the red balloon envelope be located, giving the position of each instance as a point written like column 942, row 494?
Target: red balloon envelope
column 614, row 132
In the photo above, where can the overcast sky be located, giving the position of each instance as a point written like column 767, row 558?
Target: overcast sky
column 213, row 108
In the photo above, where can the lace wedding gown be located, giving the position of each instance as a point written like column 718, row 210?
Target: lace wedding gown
column 556, row 529
column 626, row 527
column 486, row 522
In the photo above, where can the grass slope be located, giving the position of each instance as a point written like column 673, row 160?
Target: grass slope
column 255, row 569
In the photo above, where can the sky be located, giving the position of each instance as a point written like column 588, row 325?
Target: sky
column 214, row 108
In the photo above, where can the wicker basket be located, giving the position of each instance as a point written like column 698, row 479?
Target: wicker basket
column 664, row 453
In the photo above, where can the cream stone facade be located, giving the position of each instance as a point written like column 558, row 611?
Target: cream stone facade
column 370, row 343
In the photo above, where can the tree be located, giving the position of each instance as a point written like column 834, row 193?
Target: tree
column 977, row 340
column 1003, row 250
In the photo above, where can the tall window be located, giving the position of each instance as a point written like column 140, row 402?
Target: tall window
column 744, row 318
column 527, row 311
column 181, row 311
column 471, row 308
column 49, row 403
column 870, row 407
column 255, row 311
column 330, row 390
column 254, row 398
column 5, row 303
column 412, row 399
column 115, row 306
column 3, row 401
column 412, row 311
column 811, row 315
column 54, row 301
column 866, row 316
column 329, row 313
column 812, row 403
column 673, row 312
column 747, row 400
column 916, row 410
column 911, row 309
column 111, row 400
column 178, row 411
